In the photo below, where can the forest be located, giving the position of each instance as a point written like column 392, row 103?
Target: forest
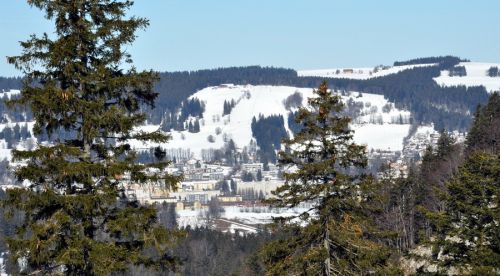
column 412, row 89
column 73, row 214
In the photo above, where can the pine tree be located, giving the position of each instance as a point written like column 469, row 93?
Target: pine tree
column 78, row 219
column 333, row 238
column 467, row 231
column 196, row 126
column 467, row 228
column 485, row 131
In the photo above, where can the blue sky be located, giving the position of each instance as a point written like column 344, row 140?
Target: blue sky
column 299, row 34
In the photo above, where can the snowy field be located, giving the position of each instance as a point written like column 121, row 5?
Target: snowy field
column 246, row 215
column 357, row 73
column 386, row 136
column 376, row 117
column 9, row 94
column 476, row 75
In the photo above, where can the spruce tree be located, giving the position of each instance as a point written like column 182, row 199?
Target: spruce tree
column 467, row 232
column 485, row 131
column 334, row 236
column 78, row 219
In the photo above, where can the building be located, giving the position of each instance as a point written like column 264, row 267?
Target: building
column 252, row 167
column 230, row 199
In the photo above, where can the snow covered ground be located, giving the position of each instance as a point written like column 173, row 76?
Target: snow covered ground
column 245, row 215
column 358, row 73
column 250, row 102
column 379, row 124
column 476, row 75
column 9, row 94
column 385, row 137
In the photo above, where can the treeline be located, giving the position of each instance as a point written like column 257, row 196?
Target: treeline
column 453, row 192
column 7, row 83
column 449, row 60
column 17, row 114
column 13, row 135
column 175, row 87
column 414, row 89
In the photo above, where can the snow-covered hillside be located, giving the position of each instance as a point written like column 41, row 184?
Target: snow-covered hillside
column 477, row 74
column 250, row 101
column 377, row 122
column 358, row 73
column 8, row 94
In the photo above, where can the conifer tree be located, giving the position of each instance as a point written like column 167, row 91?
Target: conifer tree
column 485, row 131
column 78, row 218
column 334, row 236
column 467, row 231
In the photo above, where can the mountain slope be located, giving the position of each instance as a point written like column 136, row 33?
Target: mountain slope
column 476, row 75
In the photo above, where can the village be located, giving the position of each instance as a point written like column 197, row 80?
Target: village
column 247, row 184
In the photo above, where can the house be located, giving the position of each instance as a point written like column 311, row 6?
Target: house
column 252, row 167
column 230, row 199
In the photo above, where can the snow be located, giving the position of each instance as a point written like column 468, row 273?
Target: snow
column 243, row 215
column 386, row 136
column 358, row 73
column 9, row 94
column 251, row 101
column 258, row 215
column 374, row 126
column 476, row 76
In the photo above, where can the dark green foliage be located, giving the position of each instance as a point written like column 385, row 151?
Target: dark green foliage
column 437, row 166
column 293, row 101
column 293, row 125
column 78, row 218
column 268, row 132
column 228, row 106
column 175, row 87
column 247, row 176
column 468, row 232
column 234, row 186
column 457, row 71
column 467, row 229
column 484, row 134
column 337, row 238
column 449, row 60
column 258, row 177
column 10, row 83
column 416, row 90
column 413, row 89
column 493, row 71
column 192, row 107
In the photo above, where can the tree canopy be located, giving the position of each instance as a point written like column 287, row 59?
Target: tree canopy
column 78, row 218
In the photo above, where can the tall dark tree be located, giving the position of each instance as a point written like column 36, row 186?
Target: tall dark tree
column 485, row 131
column 467, row 231
column 333, row 237
column 78, row 219
column 467, row 228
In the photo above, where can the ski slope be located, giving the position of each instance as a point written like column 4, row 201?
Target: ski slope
column 476, row 76
column 373, row 127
